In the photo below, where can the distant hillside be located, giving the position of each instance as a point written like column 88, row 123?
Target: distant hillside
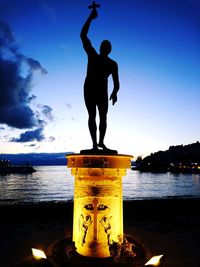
column 37, row 159
column 180, row 157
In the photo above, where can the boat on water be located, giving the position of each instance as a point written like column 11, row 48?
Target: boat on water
column 6, row 167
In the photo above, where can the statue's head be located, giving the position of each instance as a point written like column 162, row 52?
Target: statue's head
column 105, row 48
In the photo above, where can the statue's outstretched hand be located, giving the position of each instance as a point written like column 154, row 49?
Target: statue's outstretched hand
column 93, row 14
column 113, row 97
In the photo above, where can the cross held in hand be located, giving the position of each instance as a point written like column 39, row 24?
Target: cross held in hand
column 94, row 5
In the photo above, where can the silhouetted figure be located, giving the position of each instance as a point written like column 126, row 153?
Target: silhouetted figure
column 99, row 67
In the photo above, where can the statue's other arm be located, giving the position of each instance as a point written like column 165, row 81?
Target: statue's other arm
column 115, row 77
column 84, row 31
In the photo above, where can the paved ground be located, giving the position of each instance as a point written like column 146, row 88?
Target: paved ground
column 169, row 227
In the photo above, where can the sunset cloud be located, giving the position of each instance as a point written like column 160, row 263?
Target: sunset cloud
column 15, row 88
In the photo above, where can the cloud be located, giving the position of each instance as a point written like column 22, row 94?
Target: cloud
column 15, row 88
column 6, row 36
column 35, row 65
column 38, row 133
column 47, row 112
column 30, row 136
column 68, row 105
column 51, row 139
column 2, row 128
column 31, row 145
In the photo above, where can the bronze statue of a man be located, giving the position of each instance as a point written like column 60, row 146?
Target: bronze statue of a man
column 99, row 68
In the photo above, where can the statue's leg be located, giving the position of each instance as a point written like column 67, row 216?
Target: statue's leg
column 103, row 110
column 91, row 108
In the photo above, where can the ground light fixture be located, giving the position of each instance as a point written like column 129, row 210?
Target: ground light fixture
column 38, row 254
column 154, row 261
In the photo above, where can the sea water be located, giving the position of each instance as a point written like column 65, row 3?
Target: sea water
column 55, row 183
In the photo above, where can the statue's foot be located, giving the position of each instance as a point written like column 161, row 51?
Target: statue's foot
column 95, row 147
column 101, row 145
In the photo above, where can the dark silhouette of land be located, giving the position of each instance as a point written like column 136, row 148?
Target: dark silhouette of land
column 7, row 167
column 99, row 68
column 37, row 159
column 180, row 158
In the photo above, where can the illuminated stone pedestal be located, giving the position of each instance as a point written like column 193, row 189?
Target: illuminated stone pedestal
column 98, row 203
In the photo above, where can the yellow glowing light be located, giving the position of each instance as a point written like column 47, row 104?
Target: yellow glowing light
column 154, row 261
column 97, row 202
column 38, row 254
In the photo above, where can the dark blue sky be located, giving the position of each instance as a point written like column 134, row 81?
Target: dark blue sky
column 157, row 47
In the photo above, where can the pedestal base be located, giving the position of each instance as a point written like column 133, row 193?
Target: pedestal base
column 63, row 253
column 98, row 209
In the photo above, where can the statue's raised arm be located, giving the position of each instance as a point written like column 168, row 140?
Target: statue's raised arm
column 84, row 31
